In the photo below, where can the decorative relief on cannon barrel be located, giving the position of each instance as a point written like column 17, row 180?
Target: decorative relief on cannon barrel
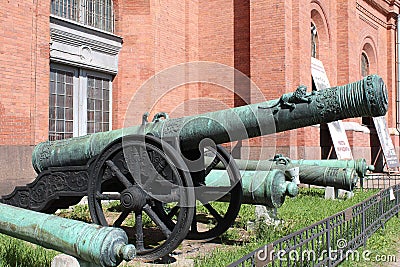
column 172, row 127
column 327, row 104
column 290, row 100
column 376, row 101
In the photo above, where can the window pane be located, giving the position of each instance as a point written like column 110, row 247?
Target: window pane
column 69, row 114
column 106, row 106
column 90, row 127
column 52, row 125
column 90, row 104
column 69, row 101
column 61, row 88
column 60, row 105
column 52, row 113
column 99, row 127
column 106, row 117
column 90, row 116
column 60, row 126
column 106, row 127
column 52, row 100
column 314, row 41
column 364, row 65
column 98, row 116
column 60, row 113
column 69, row 89
column 52, row 87
column 69, row 127
column 60, row 101
column 98, row 104
column 52, row 76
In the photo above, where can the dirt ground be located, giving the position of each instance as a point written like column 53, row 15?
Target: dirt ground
column 182, row 256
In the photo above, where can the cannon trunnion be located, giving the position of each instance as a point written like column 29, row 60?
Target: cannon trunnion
column 158, row 173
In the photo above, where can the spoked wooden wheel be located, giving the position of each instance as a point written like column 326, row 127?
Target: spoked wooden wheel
column 213, row 217
column 137, row 172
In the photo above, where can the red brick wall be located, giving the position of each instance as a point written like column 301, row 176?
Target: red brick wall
column 24, row 87
column 157, row 35
column 24, row 72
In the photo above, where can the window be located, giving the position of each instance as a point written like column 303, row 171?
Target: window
column 79, row 102
column 98, row 104
column 61, row 105
column 94, row 13
column 364, row 65
column 314, row 41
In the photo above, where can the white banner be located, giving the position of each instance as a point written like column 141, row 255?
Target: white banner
column 386, row 142
column 336, row 128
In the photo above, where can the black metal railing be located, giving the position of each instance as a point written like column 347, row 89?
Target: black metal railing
column 379, row 180
column 332, row 240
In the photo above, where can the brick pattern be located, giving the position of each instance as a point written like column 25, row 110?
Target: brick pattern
column 24, row 57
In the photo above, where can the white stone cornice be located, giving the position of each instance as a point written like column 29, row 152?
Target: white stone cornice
column 82, row 46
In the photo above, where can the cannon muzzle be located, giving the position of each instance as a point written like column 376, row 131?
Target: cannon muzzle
column 268, row 188
column 365, row 98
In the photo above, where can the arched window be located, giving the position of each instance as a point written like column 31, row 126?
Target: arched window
column 364, row 65
column 365, row 72
column 94, row 13
column 314, row 41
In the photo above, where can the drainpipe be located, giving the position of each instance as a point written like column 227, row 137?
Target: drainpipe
column 398, row 74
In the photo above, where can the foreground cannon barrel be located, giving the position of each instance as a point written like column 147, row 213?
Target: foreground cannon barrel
column 367, row 97
column 268, row 188
column 104, row 246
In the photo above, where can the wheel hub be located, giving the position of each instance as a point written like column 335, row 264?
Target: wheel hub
column 133, row 198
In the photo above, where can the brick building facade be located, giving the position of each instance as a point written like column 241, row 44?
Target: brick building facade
column 112, row 52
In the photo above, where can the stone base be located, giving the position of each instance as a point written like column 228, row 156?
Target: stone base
column 63, row 260
column 16, row 167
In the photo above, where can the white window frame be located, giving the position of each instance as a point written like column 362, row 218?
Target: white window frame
column 83, row 83
column 80, row 96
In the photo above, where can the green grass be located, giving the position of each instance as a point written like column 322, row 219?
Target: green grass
column 78, row 212
column 17, row 253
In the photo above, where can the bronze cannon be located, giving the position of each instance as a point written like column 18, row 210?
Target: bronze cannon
column 157, row 171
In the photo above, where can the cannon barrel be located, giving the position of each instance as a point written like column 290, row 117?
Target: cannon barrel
column 367, row 97
column 359, row 165
column 338, row 178
column 268, row 188
column 104, row 246
column 341, row 174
